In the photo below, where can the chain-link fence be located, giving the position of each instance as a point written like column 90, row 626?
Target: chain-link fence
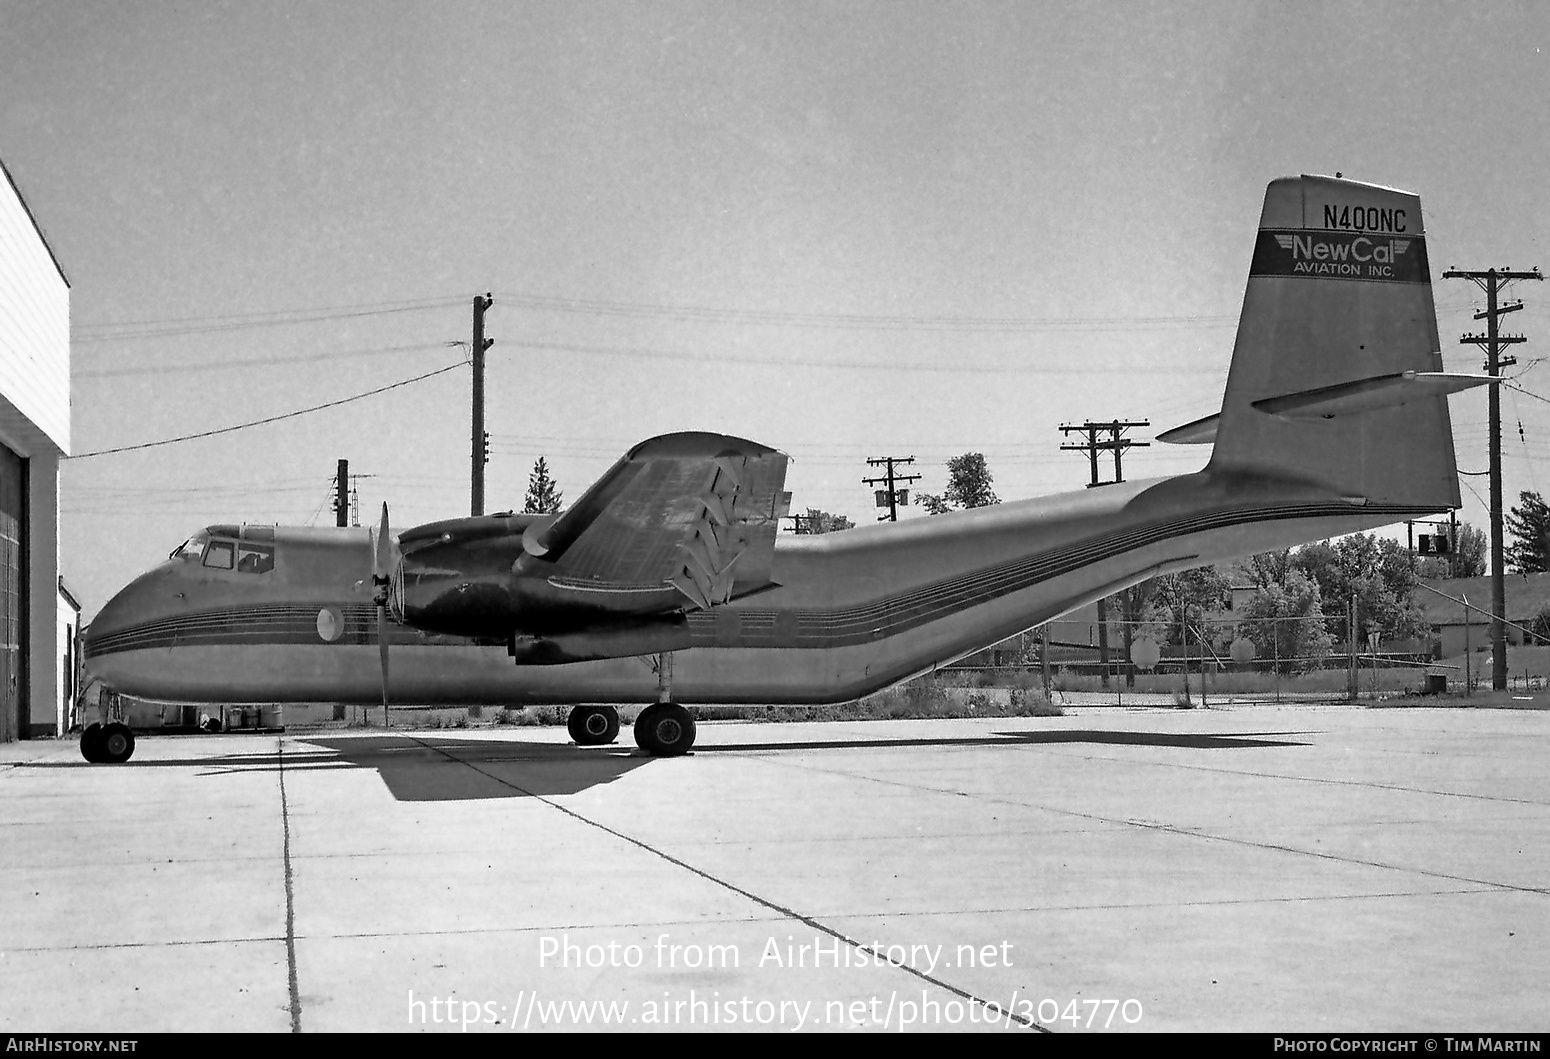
column 1166, row 662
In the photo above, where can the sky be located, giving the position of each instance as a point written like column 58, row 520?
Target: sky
column 846, row 230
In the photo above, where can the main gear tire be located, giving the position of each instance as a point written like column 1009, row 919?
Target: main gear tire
column 593, row 725
column 664, row 729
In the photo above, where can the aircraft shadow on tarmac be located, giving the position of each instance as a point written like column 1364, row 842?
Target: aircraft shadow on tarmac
column 1190, row 741
column 427, row 768
column 420, row 769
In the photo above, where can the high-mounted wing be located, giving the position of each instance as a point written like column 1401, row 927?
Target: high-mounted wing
column 693, row 511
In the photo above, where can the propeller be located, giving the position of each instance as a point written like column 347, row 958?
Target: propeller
column 382, row 563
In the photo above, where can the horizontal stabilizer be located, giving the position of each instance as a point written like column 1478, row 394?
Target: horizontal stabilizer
column 1366, row 395
column 1347, row 398
column 1200, row 432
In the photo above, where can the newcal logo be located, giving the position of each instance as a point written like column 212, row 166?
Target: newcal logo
column 1340, row 255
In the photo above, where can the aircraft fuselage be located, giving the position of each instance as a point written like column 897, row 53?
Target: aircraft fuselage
column 852, row 612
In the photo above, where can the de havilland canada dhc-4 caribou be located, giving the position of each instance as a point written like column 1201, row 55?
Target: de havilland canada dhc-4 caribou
column 666, row 585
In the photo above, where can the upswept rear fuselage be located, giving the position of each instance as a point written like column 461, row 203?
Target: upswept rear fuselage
column 850, row 613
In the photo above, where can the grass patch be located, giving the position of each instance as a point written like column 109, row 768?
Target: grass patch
column 924, row 697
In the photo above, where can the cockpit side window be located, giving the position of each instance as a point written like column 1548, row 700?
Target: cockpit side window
column 255, row 558
column 219, row 555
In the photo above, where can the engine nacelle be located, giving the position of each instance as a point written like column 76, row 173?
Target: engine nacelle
column 587, row 645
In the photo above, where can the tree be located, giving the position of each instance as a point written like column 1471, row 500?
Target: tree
column 824, row 522
column 1467, row 559
column 1135, row 607
column 1378, row 572
column 1529, row 524
column 1540, row 626
column 1265, row 569
column 1189, row 595
column 969, row 484
column 543, row 496
column 1285, row 621
column 1470, row 551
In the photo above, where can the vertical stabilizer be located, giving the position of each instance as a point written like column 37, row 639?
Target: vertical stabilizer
column 1339, row 303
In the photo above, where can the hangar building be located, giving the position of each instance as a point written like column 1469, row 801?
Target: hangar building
column 34, row 437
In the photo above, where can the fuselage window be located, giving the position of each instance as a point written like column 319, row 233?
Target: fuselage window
column 218, row 555
column 255, row 558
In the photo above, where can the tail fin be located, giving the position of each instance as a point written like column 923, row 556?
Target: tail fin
column 1336, row 374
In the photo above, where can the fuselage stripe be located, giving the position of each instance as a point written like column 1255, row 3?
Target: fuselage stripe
column 285, row 624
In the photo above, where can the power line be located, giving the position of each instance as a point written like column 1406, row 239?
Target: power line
column 219, row 365
column 862, row 321
column 129, row 330
column 859, row 365
column 189, row 325
column 267, row 419
column 185, row 367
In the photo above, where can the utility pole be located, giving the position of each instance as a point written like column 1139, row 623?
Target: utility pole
column 481, row 439
column 342, row 495
column 1491, row 281
column 803, row 525
column 1115, row 443
column 1453, row 543
column 894, row 496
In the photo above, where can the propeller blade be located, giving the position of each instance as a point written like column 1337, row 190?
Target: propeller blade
column 382, row 579
column 382, row 552
column 382, row 652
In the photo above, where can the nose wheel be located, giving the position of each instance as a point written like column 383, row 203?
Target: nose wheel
column 593, row 725
column 107, row 744
column 664, row 729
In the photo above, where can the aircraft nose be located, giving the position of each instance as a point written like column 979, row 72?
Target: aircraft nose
column 116, row 624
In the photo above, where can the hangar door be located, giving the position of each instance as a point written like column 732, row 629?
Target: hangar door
column 13, row 595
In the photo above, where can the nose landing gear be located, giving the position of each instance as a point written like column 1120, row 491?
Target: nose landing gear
column 107, row 744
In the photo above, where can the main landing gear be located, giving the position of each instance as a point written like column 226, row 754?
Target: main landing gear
column 663, row 729
column 593, row 725
column 107, row 744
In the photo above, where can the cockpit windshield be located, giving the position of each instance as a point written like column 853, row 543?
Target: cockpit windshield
column 227, row 548
column 192, row 548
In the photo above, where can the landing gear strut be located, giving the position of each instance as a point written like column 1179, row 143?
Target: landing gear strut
column 593, row 725
column 664, row 729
